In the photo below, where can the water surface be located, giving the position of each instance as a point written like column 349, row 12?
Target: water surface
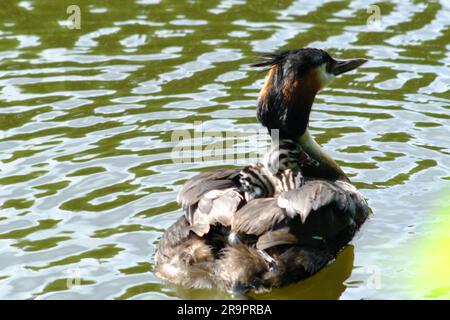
column 87, row 183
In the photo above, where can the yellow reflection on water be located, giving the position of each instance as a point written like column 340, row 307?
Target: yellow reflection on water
column 328, row 284
column 432, row 276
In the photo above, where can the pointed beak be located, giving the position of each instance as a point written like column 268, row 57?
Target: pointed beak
column 342, row 66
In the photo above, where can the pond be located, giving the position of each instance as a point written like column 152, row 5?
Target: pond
column 92, row 95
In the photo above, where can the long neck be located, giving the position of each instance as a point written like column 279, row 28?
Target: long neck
column 285, row 103
column 298, row 109
column 328, row 168
column 296, row 125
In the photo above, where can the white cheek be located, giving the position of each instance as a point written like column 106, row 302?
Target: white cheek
column 325, row 77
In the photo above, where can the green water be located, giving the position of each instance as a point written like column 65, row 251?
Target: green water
column 87, row 182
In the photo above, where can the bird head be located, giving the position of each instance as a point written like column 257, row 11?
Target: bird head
column 293, row 80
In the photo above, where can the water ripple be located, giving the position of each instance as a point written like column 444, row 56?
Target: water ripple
column 87, row 179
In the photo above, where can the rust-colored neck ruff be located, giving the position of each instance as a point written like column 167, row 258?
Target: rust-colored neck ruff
column 285, row 104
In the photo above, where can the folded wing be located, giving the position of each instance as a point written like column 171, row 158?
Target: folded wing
column 216, row 207
column 195, row 188
column 317, row 210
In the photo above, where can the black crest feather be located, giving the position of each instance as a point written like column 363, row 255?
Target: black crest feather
column 270, row 59
column 298, row 61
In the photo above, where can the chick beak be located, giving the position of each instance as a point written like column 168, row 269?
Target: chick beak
column 342, row 66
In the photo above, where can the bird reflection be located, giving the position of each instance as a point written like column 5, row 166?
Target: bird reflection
column 327, row 284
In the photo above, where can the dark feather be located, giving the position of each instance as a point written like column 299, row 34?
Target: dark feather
column 297, row 61
column 275, row 238
column 326, row 209
column 270, row 59
column 315, row 194
column 258, row 216
column 197, row 186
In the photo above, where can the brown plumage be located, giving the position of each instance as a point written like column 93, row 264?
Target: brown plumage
column 316, row 213
column 216, row 207
column 254, row 229
column 195, row 188
column 184, row 258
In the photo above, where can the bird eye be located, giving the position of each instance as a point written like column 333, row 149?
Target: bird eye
column 329, row 66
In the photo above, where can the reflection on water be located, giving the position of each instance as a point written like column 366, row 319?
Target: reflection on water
column 433, row 256
column 87, row 183
column 327, row 284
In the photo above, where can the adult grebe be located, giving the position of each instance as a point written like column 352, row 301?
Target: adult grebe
column 279, row 237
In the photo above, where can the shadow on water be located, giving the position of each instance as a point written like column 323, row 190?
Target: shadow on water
column 87, row 178
column 328, row 284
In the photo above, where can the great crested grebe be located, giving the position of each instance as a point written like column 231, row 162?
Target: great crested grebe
column 257, row 228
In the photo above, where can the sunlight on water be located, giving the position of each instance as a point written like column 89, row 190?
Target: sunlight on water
column 87, row 183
